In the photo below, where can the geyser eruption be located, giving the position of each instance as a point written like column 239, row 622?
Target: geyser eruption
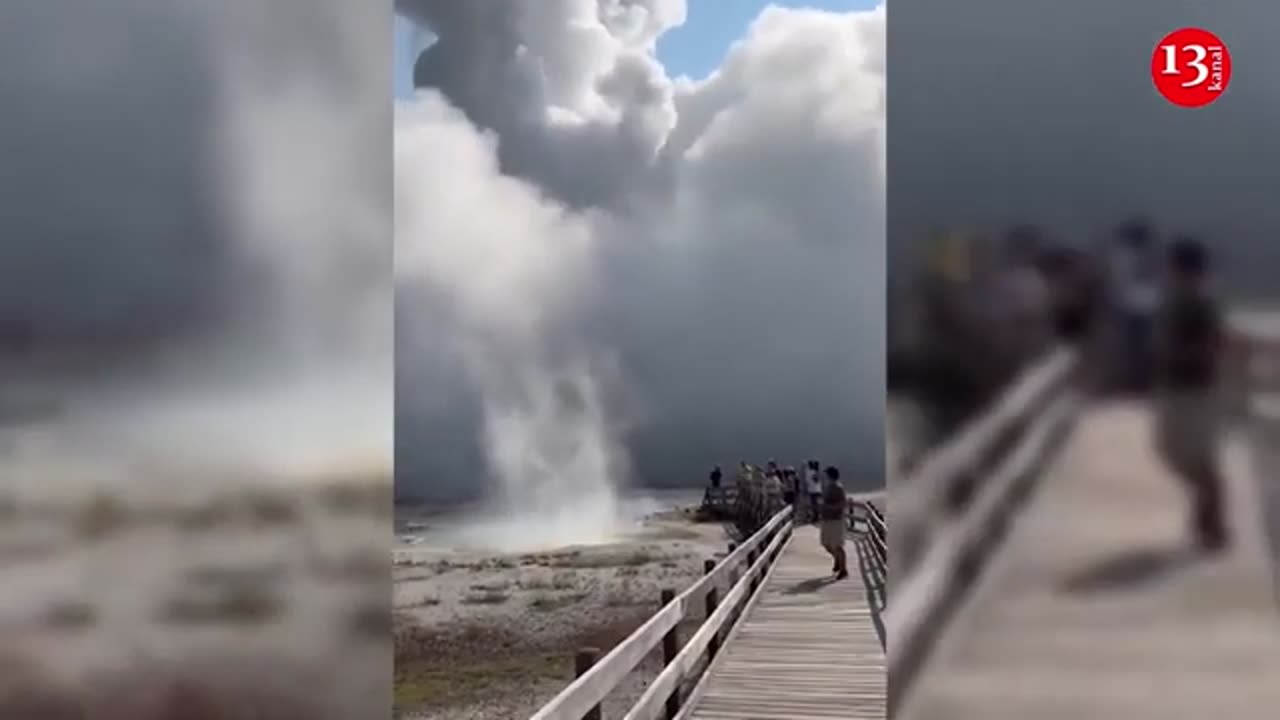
column 580, row 233
column 491, row 267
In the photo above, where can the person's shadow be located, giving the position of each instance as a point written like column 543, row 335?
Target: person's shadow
column 1129, row 570
column 806, row 587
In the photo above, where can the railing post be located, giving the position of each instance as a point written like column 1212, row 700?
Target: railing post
column 670, row 648
column 752, row 556
column 712, row 599
column 582, row 662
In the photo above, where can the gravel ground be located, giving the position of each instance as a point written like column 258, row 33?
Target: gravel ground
column 493, row 636
column 247, row 604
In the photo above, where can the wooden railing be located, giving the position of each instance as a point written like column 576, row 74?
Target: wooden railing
column 743, row 571
column 951, row 512
column 866, row 520
column 1253, row 376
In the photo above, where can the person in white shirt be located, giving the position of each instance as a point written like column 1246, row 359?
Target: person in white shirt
column 773, row 491
column 813, row 488
column 1137, row 300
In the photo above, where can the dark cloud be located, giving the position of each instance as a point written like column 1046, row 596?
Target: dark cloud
column 113, row 225
column 132, row 133
column 1044, row 111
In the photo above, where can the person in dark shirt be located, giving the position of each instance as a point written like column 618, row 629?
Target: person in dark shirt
column 1071, row 292
column 1188, row 344
column 716, row 476
column 833, row 528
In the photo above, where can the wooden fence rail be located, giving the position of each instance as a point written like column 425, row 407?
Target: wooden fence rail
column 996, row 458
column 950, row 514
column 866, row 520
column 597, row 679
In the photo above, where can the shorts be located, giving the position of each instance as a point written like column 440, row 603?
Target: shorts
column 1186, row 431
column 832, row 534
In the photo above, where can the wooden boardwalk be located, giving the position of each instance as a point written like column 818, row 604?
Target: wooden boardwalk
column 1094, row 608
column 807, row 648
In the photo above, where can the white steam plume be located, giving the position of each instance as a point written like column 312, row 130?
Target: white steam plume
column 504, row 283
column 718, row 241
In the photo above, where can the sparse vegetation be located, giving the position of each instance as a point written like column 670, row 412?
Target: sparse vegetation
column 372, row 619
column 245, row 603
column 502, row 638
column 269, row 509
column 632, row 557
column 206, row 516
column 70, row 614
column 364, row 497
column 547, row 602
column 370, row 565
column 562, row 580
column 486, row 597
column 429, row 601
column 101, row 516
column 626, row 594
column 431, row 685
column 222, row 688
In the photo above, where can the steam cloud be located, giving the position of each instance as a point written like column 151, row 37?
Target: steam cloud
column 196, row 257
column 593, row 256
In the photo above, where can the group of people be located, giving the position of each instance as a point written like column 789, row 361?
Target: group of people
column 1143, row 314
column 816, row 493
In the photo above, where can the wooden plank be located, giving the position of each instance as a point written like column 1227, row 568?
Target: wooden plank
column 593, row 686
column 922, row 502
column 922, row 600
column 806, row 648
column 1093, row 608
column 652, row 702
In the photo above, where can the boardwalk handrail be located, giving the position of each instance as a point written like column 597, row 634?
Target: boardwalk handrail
column 686, row 661
column 1034, row 411
column 927, row 495
column 1257, row 365
column 593, row 686
column 875, row 529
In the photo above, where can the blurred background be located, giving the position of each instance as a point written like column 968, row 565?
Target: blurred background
column 195, row 360
column 1050, row 551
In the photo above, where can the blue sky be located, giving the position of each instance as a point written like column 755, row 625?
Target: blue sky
column 697, row 47
column 694, row 49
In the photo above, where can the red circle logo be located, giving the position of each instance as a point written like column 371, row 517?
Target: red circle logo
column 1191, row 67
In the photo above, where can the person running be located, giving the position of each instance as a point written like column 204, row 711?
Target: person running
column 813, row 488
column 835, row 505
column 1188, row 342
